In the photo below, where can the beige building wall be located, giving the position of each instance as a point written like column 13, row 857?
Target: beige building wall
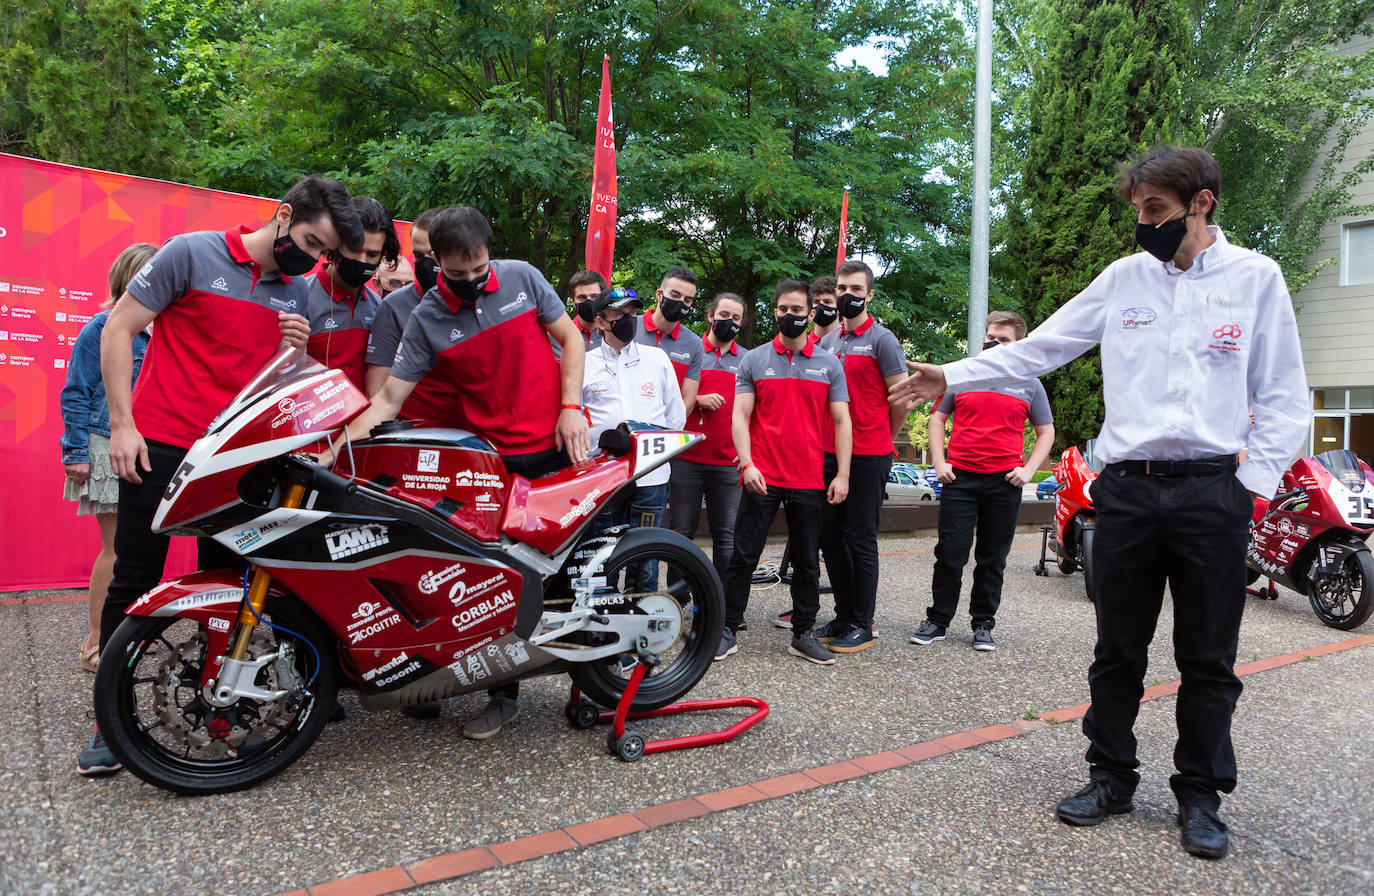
column 1336, row 321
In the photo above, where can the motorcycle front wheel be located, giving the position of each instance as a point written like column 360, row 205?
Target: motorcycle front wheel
column 155, row 719
column 1344, row 601
column 686, row 577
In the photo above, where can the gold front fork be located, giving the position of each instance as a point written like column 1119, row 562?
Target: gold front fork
column 257, row 591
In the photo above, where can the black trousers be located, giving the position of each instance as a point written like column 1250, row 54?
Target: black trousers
column 141, row 553
column 1191, row 532
column 849, row 537
column 719, row 485
column 982, row 503
column 756, row 513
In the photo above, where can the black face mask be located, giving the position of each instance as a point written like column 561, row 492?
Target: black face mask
column 791, row 325
column 851, row 306
column 353, row 272
column 991, row 343
column 625, row 327
column 584, row 310
column 466, row 290
column 1163, row 241
column 725, row 330
column 426, row 274
column 673, row 310
column 291, row 259
column 826, row 315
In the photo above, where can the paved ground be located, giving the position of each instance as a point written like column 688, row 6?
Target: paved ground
column 381, row 790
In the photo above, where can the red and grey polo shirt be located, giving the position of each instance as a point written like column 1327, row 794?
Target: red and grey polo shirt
column 870, row 352
column 682, row 345
column 591, row 336
column 990, row 424
column 718, row 371
column 494, row 353
column 792, row 393
column 341, row 320
column 216, row 328
column 432, row 400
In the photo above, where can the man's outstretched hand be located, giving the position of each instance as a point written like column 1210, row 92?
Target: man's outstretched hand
column 926, row 382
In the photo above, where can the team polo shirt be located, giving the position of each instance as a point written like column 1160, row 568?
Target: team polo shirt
column 719, row 368
column 792, row 399
column 495, row 353
column 990, row 424
column 682, row 346
column 340, row 322
column 870, row 352
column 432, row 401
column 216, row 328
column 591, row 337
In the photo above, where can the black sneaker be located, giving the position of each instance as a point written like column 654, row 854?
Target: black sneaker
column 96, row 761
column 1093, row 804
column 982, row 639
column 1204, row 833
column 783, row 620
column 832, row 630
column 337, row 714
column 728, row 645
column 853, row 640
column 430, row 709
column 808, row 648
column 928, row 632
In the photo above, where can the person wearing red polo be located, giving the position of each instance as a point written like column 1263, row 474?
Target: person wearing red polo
column 484, row 330
column 585, row 286
column 341, row 308
column 827, row 318
column 786, row 393
column 223, row 303
column 873, row 362
column 663, row 328
column 707, row 470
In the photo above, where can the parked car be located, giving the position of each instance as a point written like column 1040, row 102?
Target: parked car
column 1044, row 489
column 908, row 484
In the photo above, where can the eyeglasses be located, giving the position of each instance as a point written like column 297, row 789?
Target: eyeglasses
column 621, row 292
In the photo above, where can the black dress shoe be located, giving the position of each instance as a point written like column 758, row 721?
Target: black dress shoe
column 1093, row 804
column 1204, row 833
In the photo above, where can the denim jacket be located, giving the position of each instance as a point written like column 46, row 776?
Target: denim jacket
column 84, row 410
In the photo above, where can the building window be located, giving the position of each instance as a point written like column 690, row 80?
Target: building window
column 1357, row 254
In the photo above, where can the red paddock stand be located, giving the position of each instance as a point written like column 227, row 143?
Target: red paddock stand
column 630, row 745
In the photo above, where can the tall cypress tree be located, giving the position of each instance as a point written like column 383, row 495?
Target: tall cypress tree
column 1106, row 86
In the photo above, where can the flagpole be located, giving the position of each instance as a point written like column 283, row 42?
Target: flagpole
column 982, row 153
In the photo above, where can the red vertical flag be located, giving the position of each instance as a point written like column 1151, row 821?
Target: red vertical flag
column 601, row 221
column 844, row 231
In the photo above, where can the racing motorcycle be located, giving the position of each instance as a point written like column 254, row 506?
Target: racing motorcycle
column 1071, row 535
column 1313, row 537
column 417, row 569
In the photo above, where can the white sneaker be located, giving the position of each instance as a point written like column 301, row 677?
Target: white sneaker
column 488, row 722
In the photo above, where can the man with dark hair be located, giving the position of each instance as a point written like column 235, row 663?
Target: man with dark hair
column 340, row 306
column 662, row 327
column 224, row 303
column 873, row 361
column 786, row 394
column 1196, row 334
column 983, row 477
column 584, row 287
column 708, row 469
column 827, row 318
column 484, row 330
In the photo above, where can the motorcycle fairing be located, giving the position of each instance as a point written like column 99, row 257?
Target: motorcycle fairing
column 211, row 598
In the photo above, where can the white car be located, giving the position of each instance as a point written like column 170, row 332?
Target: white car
column 905, row 484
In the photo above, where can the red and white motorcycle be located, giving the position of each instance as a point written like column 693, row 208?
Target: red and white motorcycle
column 419, row 569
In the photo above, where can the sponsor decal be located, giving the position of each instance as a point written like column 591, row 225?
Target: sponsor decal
column 205, row 598
column 59, row 363
column 398, row 674
column 1285, row 526
column 453, row 335
column 428, row 462
column 476, row 667
column 77, row 318
column 4, row 287
column 478, row 646
column 483, row 610
column 220, row 283
column 479, row 480
column 246, row 538
column 348, row 542
column 289, row 409
column 517, row 652
column 60, row 317
column 20, row 311
column 385, row 667
column 430, row 581
column 511, row 306
column 331, row 323
column 18, row 360
column 423, row 482
column 1137, row 319
column 214, row 623
column 1224, row 338
column 80, row 295
column 327, row 390
column 582, row 508
column 816, row 371
column 485, row 503
column 462, row 591
column 768, row 372
column 368, row 631
column 281, row 304
column 1231, row 331
column 497, row 658
column 1303, row 529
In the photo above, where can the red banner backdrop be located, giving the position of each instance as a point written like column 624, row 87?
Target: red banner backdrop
column 600, row 254
column 60, row 229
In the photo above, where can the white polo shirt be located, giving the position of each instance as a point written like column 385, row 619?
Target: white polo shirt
column 637, row 383
column 1186, row 357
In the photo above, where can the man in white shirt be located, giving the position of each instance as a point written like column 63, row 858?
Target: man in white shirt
column 627, row 380
column 1196, row 334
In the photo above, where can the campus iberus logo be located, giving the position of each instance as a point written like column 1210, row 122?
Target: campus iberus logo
column 1138, row 319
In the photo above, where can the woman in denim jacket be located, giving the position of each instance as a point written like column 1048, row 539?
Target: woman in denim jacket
column 86, row 439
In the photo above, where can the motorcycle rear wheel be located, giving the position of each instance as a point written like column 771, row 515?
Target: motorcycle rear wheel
column 1352, row 604
column 1085, row 548
column 155, row 720
column 703, row 609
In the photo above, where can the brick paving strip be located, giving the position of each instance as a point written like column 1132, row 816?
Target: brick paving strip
column 469, row 861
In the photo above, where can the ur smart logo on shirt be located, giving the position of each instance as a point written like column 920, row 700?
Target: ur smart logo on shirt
column 1136, row 319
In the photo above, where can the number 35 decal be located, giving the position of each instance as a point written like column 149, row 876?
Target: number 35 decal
column 1361, row 507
